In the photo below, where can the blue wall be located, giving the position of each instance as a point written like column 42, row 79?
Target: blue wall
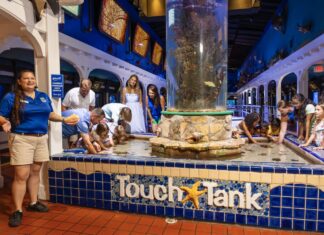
column 299, row 12
column 78, row 28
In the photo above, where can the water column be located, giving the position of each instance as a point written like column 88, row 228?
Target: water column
column 196, row 122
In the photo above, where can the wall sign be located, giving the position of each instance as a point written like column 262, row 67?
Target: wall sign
column 57, row 85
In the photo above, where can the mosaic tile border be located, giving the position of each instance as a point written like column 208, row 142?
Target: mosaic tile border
column 291, row 206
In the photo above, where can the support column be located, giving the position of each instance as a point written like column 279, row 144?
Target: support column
column 44, row 67
column 302, row 82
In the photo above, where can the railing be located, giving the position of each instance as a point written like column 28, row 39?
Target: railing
column 266, row 112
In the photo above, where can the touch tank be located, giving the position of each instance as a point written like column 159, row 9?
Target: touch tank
column 197, row 55
column 196, row 123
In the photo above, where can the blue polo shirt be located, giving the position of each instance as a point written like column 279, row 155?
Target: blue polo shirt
column 82, row 126
column 33, row 116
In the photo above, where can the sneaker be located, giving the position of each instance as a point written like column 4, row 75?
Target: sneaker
column 39, row 207
column 15, row 219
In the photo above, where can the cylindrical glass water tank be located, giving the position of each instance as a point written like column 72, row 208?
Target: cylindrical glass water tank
column 196, row 45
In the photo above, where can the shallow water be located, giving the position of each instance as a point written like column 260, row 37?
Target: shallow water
column 261, row 152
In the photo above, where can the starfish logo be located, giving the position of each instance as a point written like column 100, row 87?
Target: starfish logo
column 193, row 194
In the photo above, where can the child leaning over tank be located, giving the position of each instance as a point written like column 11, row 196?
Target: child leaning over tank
column 285, row 109
column 318, row 130
column 247, row 127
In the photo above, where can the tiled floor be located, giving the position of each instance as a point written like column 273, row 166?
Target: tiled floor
column 63, row 219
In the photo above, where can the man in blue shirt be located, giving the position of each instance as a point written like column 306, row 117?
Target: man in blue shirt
column 87, row 119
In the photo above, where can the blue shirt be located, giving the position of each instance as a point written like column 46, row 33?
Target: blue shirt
column 155, row 111
column 33, row 115
column 82, row 126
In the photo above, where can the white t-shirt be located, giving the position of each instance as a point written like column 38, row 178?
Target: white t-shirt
column 74, row 100
column 310, row 109
column 112, row 110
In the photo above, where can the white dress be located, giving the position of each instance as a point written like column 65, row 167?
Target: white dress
column 137, row 124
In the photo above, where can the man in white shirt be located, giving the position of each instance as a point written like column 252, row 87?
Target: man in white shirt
column 80, row 97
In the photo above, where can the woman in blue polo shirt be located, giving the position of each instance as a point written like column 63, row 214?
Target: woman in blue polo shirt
column 25, row 113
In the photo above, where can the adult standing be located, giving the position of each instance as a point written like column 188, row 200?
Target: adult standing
column 154, row 106
column 79, row 98
column 83, row 127
column 304, row 114
column 25, row 113
column 132, row 97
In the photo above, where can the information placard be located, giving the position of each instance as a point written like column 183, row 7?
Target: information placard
column 57, row 85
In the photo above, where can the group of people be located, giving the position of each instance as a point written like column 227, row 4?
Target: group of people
column 310, row 119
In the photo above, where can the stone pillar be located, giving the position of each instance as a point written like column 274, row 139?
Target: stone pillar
column 266, row 104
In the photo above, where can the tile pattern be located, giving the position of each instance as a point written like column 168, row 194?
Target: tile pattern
column 293, row 206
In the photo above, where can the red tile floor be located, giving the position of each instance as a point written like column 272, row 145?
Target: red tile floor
column 63, row 219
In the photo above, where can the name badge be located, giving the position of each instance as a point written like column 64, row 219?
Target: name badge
column 43, row 99
column 24, row 101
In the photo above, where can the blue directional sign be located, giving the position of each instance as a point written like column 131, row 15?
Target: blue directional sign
column 57, row 85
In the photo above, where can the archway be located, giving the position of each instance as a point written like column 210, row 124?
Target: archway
column 106, row 85
column 316, row 82
column 71, row 75
column 11, row 62
column 288, row 87
column 261, row 101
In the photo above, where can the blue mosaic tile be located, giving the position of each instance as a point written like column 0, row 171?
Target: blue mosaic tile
column 107, row 205
column 59, row 199
column 90, row 185
column 200, row 166
column 59, row 191
column 198, row 214
column 75, row 201
column 115, row 205
column 52, row 190
column 90, row 194
column 305, row 171
column 169, row 211
column 209, row 215
column 229, row 218
column 59, row 182
column 274, row 201
column 67, row 183
column 74, row 183
column 98, row 185
column 179, row 212
column 219, row 216
column 267, row 169
column 90, row 177
column 141, row 209
column 189, row 214
column 263, row 221
column 310, row 225
column 311, row 215
column 244, row 168
column 286, row 223
column 276, row 191
column 251, row 220
column 82, row 184
column 233, row 168
column 159, row 163
column 211, row 167
column 299, row 203
column 75, row 193
column 321, row 204
column 299, row 224
column 240, row 219
column 123, row 207
column 91, row 202
column 299, row 192
column 122, row 161
column 189, row 165
column 67, row 200
column 99, row 204
column 98, row 194
column 287, row 191
column 275, row 211
column 280, row 170
column 320, row 226
column 150, row 210
column 106, row 178
column 286, row 201
column 256, row 168
column 104, row 160
column 299, row 213
column 67, row 191
column 83, row 202
column 311, row 204
column 83, row 193
column 274, row 222
column 221, row 167
column 132, row 208
column 286, row 212
column 53, row 198
column 140, row 163
column 82, row 176
column 159, row 210
column 312, row 192
column 150, row 163
column 318, row 171
column 293, row 170
column 320, row 215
